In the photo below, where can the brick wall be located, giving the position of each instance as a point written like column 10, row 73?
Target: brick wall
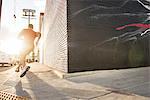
column 55, row 34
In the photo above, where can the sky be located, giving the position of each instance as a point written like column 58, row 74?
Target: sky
column 10, row 26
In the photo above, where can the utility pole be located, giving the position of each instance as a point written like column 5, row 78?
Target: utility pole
column 41, row 49
column 29, row 14
column 0, row 12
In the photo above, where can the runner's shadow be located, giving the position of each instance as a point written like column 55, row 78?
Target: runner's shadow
column 42, row 90
column 20, row 91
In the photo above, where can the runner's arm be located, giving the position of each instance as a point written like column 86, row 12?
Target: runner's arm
column 38, row 34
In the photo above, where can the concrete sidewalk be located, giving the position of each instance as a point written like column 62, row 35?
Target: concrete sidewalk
column 42, row 83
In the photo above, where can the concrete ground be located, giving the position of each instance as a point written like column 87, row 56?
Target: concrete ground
column 41, row 83
column 134, row 80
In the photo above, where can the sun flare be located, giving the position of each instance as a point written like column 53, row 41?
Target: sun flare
column 11, row 46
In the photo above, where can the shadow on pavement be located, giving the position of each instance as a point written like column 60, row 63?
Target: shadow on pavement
column 42, row 90
column 20, row 91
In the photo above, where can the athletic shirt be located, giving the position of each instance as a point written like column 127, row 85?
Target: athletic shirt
column 28, row 35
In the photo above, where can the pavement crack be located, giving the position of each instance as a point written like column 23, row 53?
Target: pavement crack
column 120, row 92
column 100, row 96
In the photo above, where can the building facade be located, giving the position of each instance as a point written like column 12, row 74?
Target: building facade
column 82, row 35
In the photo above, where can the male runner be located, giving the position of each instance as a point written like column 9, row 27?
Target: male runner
column 30, row 39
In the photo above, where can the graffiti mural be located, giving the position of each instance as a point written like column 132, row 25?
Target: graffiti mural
column 108, row 34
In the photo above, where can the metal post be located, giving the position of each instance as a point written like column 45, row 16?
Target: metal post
column 29, row 19
column 0, row 12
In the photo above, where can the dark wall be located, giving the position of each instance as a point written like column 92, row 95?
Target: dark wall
column 95, row 39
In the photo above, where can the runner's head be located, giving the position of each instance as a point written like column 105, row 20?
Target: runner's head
column 30, row 26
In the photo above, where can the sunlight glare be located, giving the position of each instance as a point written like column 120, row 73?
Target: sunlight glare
column 11, row 46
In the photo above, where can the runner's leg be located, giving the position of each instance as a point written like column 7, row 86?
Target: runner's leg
column 23, row 57
column 21, row 62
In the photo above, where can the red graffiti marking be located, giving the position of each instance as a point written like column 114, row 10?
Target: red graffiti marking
column 136, row 25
